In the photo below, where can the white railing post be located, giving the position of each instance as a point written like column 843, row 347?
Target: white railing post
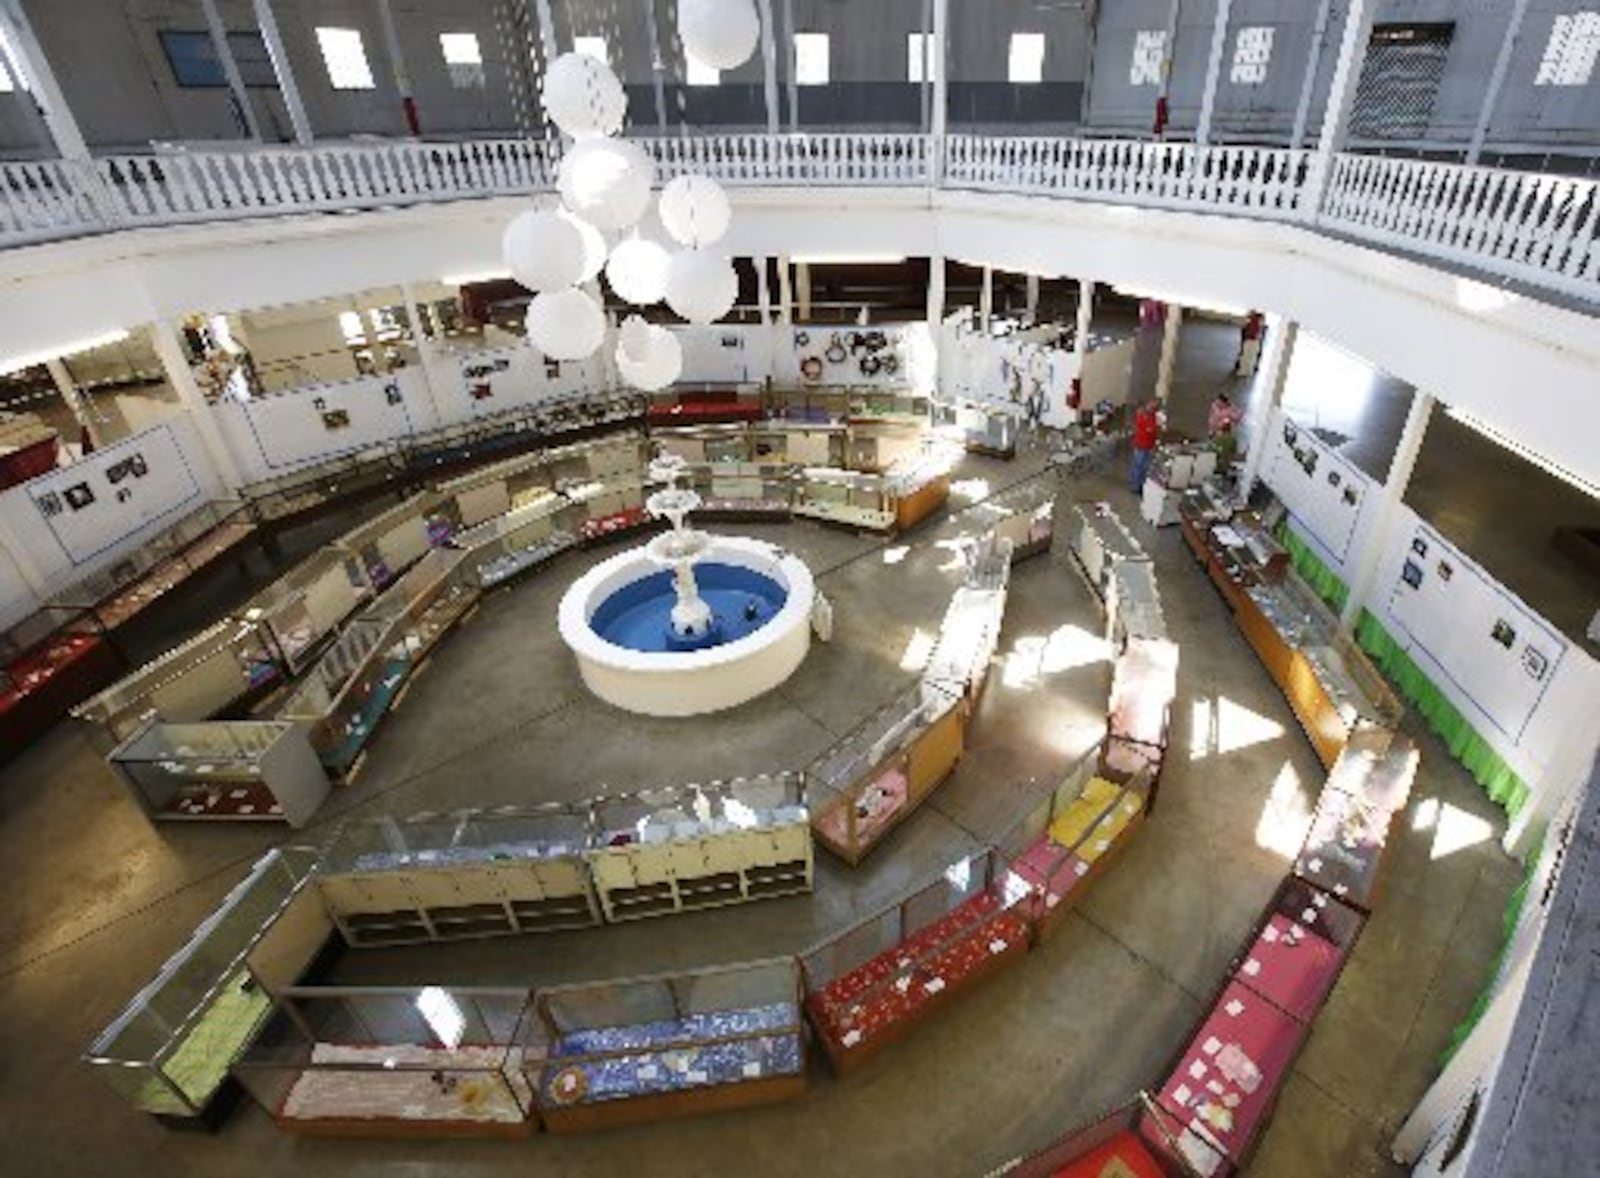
column 940, row 107
column 283, row 71
column 1341, row 100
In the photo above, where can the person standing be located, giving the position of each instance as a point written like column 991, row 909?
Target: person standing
column 1222, row 424
column 1250, row 336
column 1146, row 433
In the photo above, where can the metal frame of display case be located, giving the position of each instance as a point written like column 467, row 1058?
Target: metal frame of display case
column 846, row 498
column 524, row 428
column 873, row 983
column 295, row 497
column 169, row 1051
column 431, row 1061
column 228, row 770
column 49, row 662
column 983, row 427
column 1098, row 540
column 504, row 547
column 473, row 873
column 742, row 490
column 396, row 538
column 871, row 779
column 1023, row 514
column 1087, row 1152
column 1144, row 688
column 625, row 1051
column 969, row 633
column 309, row 602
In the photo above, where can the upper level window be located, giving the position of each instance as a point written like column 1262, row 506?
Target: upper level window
column 593, row 46
column 1149, row 55
column 698, row 73
column 1026, row 64
column 811, row 59
column 346, row 58
column 1252, row 50
column 1569, row 54
column 464, row 59
column 920, row 63
column 12, row 76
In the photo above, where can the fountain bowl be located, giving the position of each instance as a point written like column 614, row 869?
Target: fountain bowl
column 607, row 615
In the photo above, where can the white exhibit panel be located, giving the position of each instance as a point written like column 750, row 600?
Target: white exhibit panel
column 290, row 429
column 497, row 380
column 725, row 354
column 1009, row 371
column 1326, row 494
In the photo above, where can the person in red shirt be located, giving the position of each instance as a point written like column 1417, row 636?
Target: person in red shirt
column 1146, row 432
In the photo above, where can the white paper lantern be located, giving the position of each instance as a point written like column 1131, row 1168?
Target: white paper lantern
column 566, row 324
column 637, row 271
column 719, row 33
column 695, row 210
column 702, row 286
column 606, row 182
column 543, row 251
column 662, row 363
column 583, row 97
column 633, row 340
column 594, row 247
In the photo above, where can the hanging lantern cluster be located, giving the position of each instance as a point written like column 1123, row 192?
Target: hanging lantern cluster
column 605, row 184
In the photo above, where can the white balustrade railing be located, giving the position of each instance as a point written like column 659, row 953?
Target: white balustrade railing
column 1534, row 228
column 1528, row 226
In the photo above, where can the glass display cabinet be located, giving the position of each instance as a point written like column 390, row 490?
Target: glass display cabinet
column 226, row 770
column 604, row 1054
column 309, row 602
column 813, row 405
column 881, row 446
column 49, row 661
column 1297, row 949
column 742, row 490
column 611, row 507
column 888, row 406
column 393, row 1061
column 706, row 444
column 917, row 485
column 871, row 984
column 169, row 1051
column 1176, row 467
column 1133, row 605
column 342, row 698
column 333, row 482
column 1138, row 1140
column 799, row 443
column 876, row 775
column 706, row 402
column 426, row 602
column 474, row 873
column 988, row 428
column 846, row 497
column 1344, row 851
column 674, row 849
column 1069, row 836
column 502, row 548
column 396, row 539
column 1099, row 540
column 220, row 667
column 493, row 490
column 1024, row 515
column 1144, row 686
column 969, row 635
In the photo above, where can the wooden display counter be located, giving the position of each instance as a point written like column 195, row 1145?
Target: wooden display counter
column 912, row 509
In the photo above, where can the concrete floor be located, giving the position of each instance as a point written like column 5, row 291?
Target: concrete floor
column 99, row 898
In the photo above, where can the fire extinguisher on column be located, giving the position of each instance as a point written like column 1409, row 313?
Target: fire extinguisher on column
column 1161, row 116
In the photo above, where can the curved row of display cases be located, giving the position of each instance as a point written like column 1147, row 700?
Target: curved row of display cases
column 1205, row 1115
column 1023, row 514
column 825, row 404
column 707, row 403
column 969, row 633
column 615, row 858
column 1099, row 541
column 168, row 1053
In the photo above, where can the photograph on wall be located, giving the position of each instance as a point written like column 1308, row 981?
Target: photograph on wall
column 49, row 504
column 78, row 496
column 1412, row 574
column 1446, row 571
column 335, row 419
column 1419, row 546
column 1534, row 662
column 1503, row 633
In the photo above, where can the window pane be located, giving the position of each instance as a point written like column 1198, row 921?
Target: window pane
column 811, row 59
column 1027, row 59
column 346, row 58
column 15, row 77
column 1149, row 51
column 1252, row 50
column 1570, row 53
column 460, row 48
column 593, row 46
column 700, row 74
column 920, row 65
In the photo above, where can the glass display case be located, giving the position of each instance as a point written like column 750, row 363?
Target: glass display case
column 402, row 1061
column 218, row 668
column 881, row 446
column 1024, row 515
column 309, row 602
column 707, row 444
column 342, row 698
column 1099, row 540
column 1176, row 467
column 989, row 428
column 876, row 775
column 1297, row 949
column 473, row 873
column 1345, row 848
column 742, row 490
column 394, row 540
column 1068, row 837
column 224, row 770
column 502, row 548
column 969, row 635
column 50, row 661
column 332, row 482
column 874, row 982
column 845, row 497
column 685, row 402
column 1144, row 686
column 195, row 543
column 497, row 435
column 1138, row 1140
column 169, row 1051
column 799, row 443
column 1133, row 605
column 610, row 507
column 699, row 846
column 603, row 1054
column 812, row 405
column 917, row 485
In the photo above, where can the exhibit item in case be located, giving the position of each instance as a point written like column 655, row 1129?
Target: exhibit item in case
column 1137, row 1140
column 1098, row 541
column 969, row 633
column 169, row 1052
column 50, row 661
column 393, row 1061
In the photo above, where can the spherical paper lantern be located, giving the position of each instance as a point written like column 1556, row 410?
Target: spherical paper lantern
column 583, row 97
column 719, row 33
column 701, row 285
column 695, row 210
column 662, row 364
column 633, row 340
column 566, row 324
column 606, row 182
column 594, row 247
column 637, row 271
column 543, row 251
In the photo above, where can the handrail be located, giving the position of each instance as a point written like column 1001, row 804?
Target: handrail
column 1531, row 228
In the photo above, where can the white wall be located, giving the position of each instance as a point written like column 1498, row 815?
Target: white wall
column 1330, row 505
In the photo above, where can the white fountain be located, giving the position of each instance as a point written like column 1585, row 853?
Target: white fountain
column 737, row 628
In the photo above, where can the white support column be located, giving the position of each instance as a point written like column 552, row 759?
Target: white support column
column 793, row 86
column 397, row 65
column 1171, row 333
column 1272, row 376
column 1497, row 80
column 924, row 88
column 658, row 65
column 939, row 104
column 169, row 350
column 769, row 66
column 1208, row 96
column 1308, row 86
column 986, row 300
column 1341, row 100
column 1080, row 338
column 283, row 71
column 770, row 332
column 68, row 388
column 1032, row 308
column 230, row 69
column 427, row 354
column 547, row 31
column 1567, row 771
column 1169, row 47
column 1390, row 499
column 785, row 292
column 936, row 295
column 802, row 290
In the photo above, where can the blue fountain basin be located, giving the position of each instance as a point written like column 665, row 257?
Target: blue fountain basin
column 638, row 615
